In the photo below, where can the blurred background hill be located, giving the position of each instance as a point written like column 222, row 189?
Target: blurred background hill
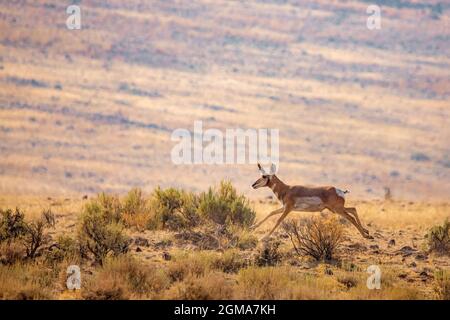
column 83, row 111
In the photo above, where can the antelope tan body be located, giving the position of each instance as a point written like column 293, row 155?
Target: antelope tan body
column 307, row 199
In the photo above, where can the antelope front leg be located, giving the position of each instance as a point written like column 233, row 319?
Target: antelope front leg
column 274, row 212
column 285, row 213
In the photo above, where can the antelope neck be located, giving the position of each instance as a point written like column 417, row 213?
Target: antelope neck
column 278, row 187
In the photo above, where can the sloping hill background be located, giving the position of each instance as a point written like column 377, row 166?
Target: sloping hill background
column 87, row 110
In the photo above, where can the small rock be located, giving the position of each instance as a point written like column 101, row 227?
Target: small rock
column 140, row 241
column 166, row 256
column 358, row 246
column 85, row 197
column 406, row 251
column 374, row 247
column 391, row 242
column 421, row 256
column 413, row 264
column 138, row 249
column 402, row 276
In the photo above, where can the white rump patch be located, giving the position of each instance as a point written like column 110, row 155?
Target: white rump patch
column 340, row 193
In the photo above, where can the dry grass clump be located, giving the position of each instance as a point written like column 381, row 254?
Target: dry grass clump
column 438, row 238
column 185, row 264
column 200, row 263
column 230, row 261
column 282, row 282
column 122, row 278
column 26, row 282
column 442, row 285
column 315, row 237
column 211, row 286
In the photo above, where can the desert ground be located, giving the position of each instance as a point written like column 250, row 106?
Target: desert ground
column 187, row 269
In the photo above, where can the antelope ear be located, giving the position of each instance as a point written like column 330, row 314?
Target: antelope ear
column 261, row 169
column 273, row 169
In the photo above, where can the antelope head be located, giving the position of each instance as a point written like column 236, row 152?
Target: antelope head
column 265, row 177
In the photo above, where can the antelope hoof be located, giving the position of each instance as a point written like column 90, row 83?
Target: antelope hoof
column 368, row 236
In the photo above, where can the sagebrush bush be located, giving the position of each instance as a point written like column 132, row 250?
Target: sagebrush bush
column 438, row 238
column 64, row 249
column 100, row 229
column 35, row 238
column 136, row 211
column 224, row 206
column 107, row 206
column 12, row 224
column 269, row 254
column 31, row 235
column 135, row 202
column 173, row 209
column 316, row 237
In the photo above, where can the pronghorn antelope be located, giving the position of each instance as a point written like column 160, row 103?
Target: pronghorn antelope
column 301, row 198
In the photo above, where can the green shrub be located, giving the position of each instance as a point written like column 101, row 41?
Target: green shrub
column 101, row 231
column 269, row 254
column 224, row 206
column 35, row 237
column 439, row 238
column 173, row 209
column 107, row 206
column 12, row 224
column 31, row 235
column 135, row 203
column 65, row 248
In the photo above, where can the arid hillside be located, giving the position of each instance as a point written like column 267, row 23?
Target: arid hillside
column 83, row 111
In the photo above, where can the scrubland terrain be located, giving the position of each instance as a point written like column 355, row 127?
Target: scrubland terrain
column 91, row 110
column 88, row 111
column 148, row 250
